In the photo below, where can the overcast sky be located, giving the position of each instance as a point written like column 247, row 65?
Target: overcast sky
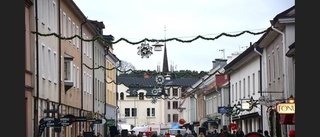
column 135, row 20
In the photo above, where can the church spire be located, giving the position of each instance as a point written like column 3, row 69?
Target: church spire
column 165, row 67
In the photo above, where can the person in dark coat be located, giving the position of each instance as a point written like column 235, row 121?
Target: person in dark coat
column 225, row 132
column 239, row 132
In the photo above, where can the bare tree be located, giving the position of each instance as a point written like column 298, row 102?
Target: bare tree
column 125, row 67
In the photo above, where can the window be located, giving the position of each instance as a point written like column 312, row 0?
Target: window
column 43, row 61
column 55, row 69
column 236, row 88
column 169, row 106
column 64, row 20
column 148, row 112
column 90, row 85
column 49, row 65
column 175, row 104
column 175, row 118
column 121, row 96
column 169, row 118
column 259, row 73
column 175, row 92
column 127, row 112
column 168, row 92
column 269, row 69
column 76, row 38
column 84, row 44
column 153, row 112
column 240, row 90
column 133, row 112
column 75, row 75
column 49, row 14
column 141, row 96
column 69, row 28
column 253, row 84
column 68, row 68
column 85, row 82
column 54, row 12
column 278, row 61
column 233, row 93
column 78, row 76
column 244, row 88
column 249, row 86
column 274, row 66
column 43, row 11
column 73, row 33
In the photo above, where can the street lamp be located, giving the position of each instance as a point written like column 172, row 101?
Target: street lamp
column 157, row 46
column 291, row 99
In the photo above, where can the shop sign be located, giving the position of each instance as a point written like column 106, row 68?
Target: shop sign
column 267, row 100
column 286, row 108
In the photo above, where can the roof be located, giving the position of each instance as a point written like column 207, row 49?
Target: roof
column 289, row 13
column 134, row 83
column 242, row 56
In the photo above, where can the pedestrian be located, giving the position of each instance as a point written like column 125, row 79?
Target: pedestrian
column 201, row 134
column 215, row 133
column 292, row 133
column 239, row 132
column 260, row 131
column 266, row 133
column 225, row 132
column 178, row 134
column 166, row 135
column 210, row 134
column 99, row 135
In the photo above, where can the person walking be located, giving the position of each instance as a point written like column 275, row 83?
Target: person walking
column 292, row 133
column 266, row 133
column 225, row 132
column 178, row 134
column 201, row 134
column 239, row 132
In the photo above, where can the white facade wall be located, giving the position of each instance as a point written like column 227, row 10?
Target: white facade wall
column 239, row 88
column 141, row 105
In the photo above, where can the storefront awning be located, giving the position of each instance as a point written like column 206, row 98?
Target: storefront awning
column 246, row 116
column 287, row 119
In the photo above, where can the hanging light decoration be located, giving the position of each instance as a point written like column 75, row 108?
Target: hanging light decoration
column 145, row 50
column 158, row 46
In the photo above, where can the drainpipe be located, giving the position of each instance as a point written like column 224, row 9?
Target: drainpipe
column 260, row 83
column 117, row 98
column 284, row 65
column 59, row 65
column 229, row 87
column 93, row 95
column 81, row 67
column 36, row 99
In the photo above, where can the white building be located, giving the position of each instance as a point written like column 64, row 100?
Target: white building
column 244, row 71
column 138, row 110
column 278, row 70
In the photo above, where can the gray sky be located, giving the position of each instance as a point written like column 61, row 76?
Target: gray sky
column 135, row 20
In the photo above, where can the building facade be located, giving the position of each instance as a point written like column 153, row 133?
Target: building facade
column 63, row 67
column 278, row 77
column 29, row 67
column 244, row 71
